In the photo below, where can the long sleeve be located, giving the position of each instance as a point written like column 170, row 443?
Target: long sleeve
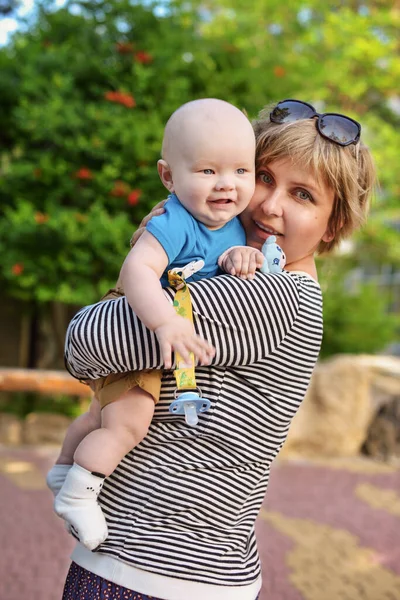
column 244, row 320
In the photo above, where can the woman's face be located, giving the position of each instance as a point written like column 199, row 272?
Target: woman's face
column 291, row 204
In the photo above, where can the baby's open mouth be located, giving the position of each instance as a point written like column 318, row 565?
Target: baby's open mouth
column 221, row 201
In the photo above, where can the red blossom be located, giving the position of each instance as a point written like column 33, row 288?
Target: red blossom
column 124, row 47
column 84, row 174
column 230, row 48
column 279, row 71
column 80, row 218
column 17, row 269
column 120, row 189
column 143, row 57
column 37, row 173
column 121, row 98
column 41, row 218
column 133, row 197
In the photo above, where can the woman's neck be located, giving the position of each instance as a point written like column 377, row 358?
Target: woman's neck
column 306, row 264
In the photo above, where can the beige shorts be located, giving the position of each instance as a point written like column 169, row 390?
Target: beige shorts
column 111, row 388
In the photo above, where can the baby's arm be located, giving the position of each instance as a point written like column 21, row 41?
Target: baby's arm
column 140, row 278
column 242, row 261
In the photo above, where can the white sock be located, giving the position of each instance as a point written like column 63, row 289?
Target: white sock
column 56, row 477
column 77, row 503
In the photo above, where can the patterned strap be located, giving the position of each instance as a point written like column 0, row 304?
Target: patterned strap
column 184, row 373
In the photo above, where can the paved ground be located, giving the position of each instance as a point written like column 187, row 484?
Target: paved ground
column 327, row 531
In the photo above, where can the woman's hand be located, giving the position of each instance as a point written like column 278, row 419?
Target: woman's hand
column 157, row 210
column 242, row 261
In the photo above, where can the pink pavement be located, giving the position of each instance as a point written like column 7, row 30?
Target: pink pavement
column 326, row 531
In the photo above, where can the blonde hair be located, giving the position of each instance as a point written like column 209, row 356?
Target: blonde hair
column 349, row 170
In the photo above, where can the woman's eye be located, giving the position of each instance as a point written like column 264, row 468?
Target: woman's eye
column 265, row 178
column 303, row 195
column 208, row 171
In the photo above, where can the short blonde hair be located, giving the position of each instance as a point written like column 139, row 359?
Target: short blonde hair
column 349, row 170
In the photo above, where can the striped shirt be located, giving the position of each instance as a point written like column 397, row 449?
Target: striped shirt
column 182, row 505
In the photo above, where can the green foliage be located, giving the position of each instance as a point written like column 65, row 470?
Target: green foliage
column 85, row 93
column 24, row 403
column 356, row 319
column 68, row 256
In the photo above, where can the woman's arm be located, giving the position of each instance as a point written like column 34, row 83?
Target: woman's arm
column 244, row 320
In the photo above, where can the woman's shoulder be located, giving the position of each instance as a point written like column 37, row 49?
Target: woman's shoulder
column 303, row 277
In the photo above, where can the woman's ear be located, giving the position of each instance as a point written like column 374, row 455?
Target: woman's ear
column 332, row 230
column 165, row 173
column 328, row 236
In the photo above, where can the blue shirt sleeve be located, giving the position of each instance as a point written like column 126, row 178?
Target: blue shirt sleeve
column 174, row 229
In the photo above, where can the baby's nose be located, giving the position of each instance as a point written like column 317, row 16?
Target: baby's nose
column 225, row 183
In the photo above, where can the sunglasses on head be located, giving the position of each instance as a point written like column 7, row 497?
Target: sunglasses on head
column 334, row 127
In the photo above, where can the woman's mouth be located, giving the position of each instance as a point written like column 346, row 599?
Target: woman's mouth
column 267, row 230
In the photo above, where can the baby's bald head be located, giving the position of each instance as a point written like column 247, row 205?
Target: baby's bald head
column 207, row 120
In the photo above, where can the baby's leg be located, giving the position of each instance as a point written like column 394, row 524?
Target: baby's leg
column 76, row 432
column 124, row 424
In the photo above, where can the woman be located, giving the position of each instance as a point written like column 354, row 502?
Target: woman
column 181, row 506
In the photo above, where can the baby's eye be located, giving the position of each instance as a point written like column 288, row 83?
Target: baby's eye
column 208, row 171
column 241, row 171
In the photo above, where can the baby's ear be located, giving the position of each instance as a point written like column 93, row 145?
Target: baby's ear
column 165, row 173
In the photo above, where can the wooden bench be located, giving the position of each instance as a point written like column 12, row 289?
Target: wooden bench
column 42, row 382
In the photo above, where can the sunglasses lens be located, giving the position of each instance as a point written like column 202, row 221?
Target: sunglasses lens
column 339, row 129
column 291, row 110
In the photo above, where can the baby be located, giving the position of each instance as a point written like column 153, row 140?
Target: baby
column 207, row 164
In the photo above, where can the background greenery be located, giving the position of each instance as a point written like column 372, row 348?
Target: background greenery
column 85, row 92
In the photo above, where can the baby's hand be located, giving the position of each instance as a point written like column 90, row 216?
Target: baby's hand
column 242, row 261
column 178, row 335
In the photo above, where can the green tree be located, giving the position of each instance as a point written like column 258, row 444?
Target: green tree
column 86, row 90
column 356, row 317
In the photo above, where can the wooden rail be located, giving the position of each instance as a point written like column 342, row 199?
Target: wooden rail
column 42, row 382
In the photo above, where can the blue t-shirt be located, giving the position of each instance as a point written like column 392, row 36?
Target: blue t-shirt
column 185, row 239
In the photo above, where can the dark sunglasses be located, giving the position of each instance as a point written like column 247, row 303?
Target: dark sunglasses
column 334, row 127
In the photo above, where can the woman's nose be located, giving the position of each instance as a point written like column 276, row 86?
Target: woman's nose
column 273, row 203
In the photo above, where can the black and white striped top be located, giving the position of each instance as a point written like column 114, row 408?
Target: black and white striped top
column 183, row 503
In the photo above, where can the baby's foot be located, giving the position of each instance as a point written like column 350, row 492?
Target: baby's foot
column 77, row 503
column 56, row 477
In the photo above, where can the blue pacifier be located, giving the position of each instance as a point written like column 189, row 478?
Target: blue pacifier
column 189, row 404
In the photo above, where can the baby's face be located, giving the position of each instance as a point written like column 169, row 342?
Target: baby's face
column 213, row 172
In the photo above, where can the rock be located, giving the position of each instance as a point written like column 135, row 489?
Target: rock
column 45, row 428
column 345, row 394
column 383, row 436
column 10, row 429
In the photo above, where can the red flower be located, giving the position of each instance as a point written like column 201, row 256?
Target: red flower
column 279, row 71
column 41, row 218
column 37, row 173
column 133, row 197
column 17, row 269
column 120, row 189
column 143, row 57
column 124, row 47
column 80, row 218
column 121, row 98
column 84, row 174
